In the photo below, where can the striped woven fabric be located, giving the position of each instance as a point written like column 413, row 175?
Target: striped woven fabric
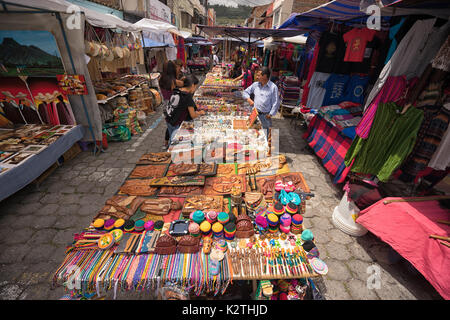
column 329, row 145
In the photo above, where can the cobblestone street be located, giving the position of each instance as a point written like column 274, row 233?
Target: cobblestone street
column 38, row 223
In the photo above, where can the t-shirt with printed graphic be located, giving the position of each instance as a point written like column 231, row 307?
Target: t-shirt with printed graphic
column 329, row 45
column 335, row 89
column 177, row 109
column 355, row 89
column 316, row 90
column 356, row 40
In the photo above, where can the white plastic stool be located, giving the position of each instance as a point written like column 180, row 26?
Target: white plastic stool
column 342, row 218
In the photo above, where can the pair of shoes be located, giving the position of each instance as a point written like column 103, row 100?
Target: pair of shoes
column 288, row 187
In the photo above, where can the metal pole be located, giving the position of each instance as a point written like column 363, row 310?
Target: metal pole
column 58, row 16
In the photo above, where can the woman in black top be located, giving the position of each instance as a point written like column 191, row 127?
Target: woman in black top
column 181, row 105
column 167, row 83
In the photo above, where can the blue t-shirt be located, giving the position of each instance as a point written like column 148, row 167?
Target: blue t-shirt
column 355, row 89
column 392, row 32
column 335, row 87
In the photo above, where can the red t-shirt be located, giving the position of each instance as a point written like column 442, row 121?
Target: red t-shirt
column 247, row 81
column 356, row 41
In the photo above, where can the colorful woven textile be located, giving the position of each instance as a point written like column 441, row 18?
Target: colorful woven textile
column 391, row 140
column 329, row 145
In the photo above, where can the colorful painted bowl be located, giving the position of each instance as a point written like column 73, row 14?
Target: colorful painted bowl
column 98, row 224
column 119, row 224
column 109, row 224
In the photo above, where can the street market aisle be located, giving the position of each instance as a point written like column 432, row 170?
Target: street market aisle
column 37, row 224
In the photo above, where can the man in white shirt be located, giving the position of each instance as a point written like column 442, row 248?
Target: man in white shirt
column 266, row 101
column 216, row 59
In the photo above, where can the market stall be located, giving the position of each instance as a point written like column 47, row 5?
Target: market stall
column 45, row 91
column 192, row 228
column 377, row 107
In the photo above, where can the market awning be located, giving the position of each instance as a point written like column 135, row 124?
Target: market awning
column 148, row 43
column 151, row 25
column 354, row 11
column 245, row 34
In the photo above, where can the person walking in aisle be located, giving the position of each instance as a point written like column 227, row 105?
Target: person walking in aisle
column 266, row 100
column 181, row 106
column 167, row 83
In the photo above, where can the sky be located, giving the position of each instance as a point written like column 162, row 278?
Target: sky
column 234, row 3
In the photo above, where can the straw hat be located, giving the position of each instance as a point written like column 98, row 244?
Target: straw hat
column 94, row 49
column 118, row 52
column 87, row 47
column 126, row 52
column 104, row 51
column 109, row 55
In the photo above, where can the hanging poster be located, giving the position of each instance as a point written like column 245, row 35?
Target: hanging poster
column 72, row 84
column 29, row 53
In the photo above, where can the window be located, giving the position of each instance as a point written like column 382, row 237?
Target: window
column 186, row 20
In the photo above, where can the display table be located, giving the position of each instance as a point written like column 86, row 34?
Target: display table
column 329, row 145
column 406, row 227
column 18, row 177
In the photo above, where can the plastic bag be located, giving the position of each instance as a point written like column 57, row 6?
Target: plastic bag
column 116, row 132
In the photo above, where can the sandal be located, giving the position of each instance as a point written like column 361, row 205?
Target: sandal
column 289, row 187
column 279, row 185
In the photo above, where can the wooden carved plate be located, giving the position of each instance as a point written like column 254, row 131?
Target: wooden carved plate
column 155, row 158
column 149, row 171
column 226, row 170
column 224, row 185
column 180, row 191
column 182, row 169
column 138, row 187
column 202, row 202
column 266, row 184
column 178, row 181
column 206, row 169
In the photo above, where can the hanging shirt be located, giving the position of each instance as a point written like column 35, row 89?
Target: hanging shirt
column 317, row 90
column 335, row 87
column 355, row 89
column 392, row 32
column 329, row 45
column 356, row 40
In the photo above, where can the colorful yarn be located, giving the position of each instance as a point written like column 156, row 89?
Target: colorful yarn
column 272, row 219
column 278, row 209
column 285, row 229
column 217, row 227
column 230, row 227
column 211, row 216
column 159, row 225
column 139, row 225
column 198, row 216
column 291, row 208
column 307, row 235
column 223, row 217
column 205, row 227
column 285, row 220
column 149, row 225
column 128, row 226
column 297, row 219
column 261, row 221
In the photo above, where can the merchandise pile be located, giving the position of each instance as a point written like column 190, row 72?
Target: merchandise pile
column 197, row 226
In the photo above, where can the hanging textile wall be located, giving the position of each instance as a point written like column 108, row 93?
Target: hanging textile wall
column 75, row 39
